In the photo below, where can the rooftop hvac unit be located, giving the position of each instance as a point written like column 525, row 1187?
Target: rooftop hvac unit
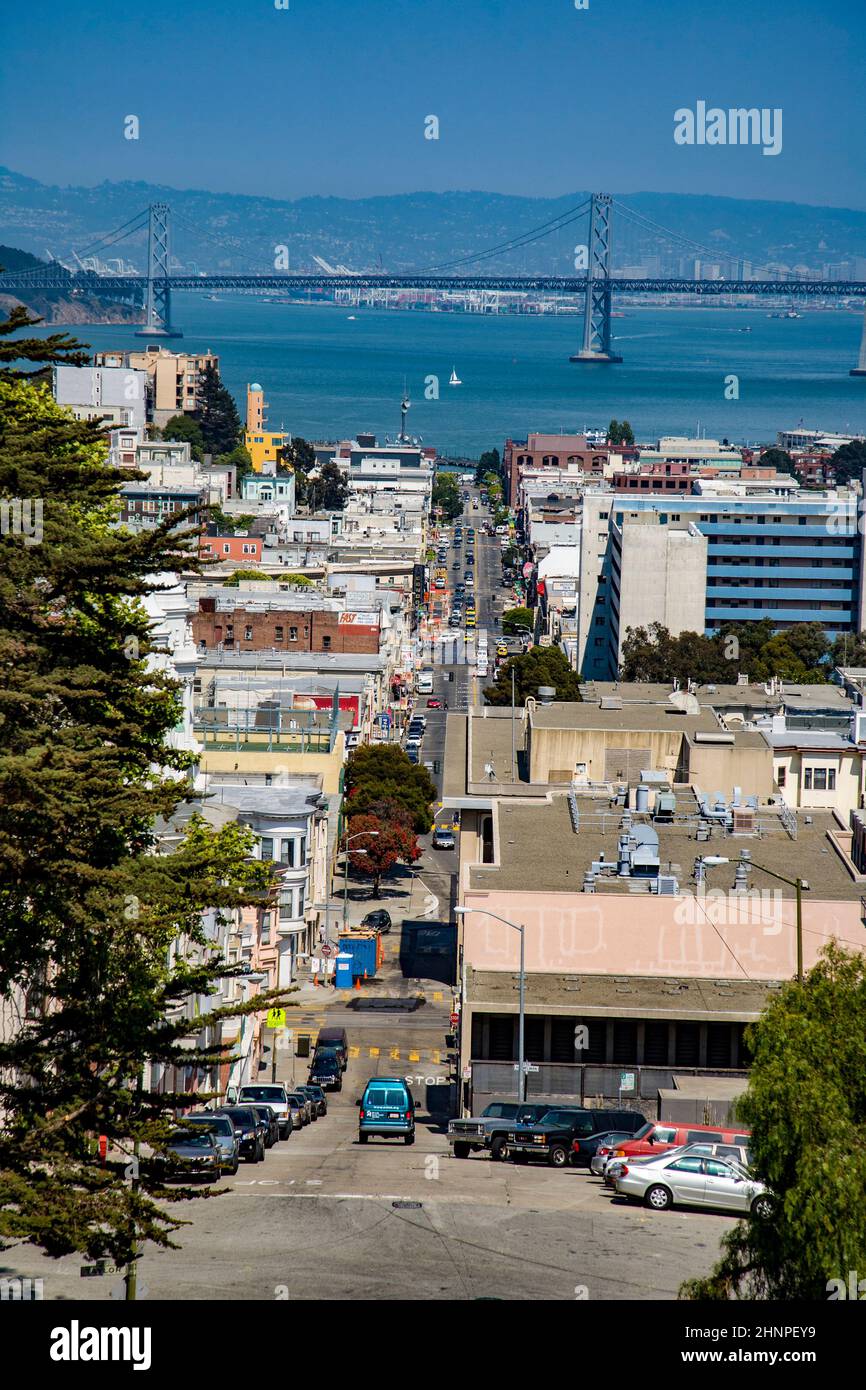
column 744, row 820
column 666, row 885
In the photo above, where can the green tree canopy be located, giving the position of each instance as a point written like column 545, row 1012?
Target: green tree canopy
column 515, row 618
column 217, row 414
column 539, row 666
column 806, row 1109
column 185, row 429
column 849, row 461
column 383, row 772
column 446, row 494
column 239, row 459
column 620, row 432
column 799, row 654
column 489, row 462
column 329, row 490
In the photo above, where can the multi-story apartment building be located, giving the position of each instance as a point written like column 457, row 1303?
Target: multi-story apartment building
column 554, row 451
column 174, row 379
column 115, row 394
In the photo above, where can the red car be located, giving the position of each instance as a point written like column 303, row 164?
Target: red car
column 434, row 704
column 670, row 1135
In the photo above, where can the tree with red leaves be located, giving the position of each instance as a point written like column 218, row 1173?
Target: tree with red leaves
column 376, row 854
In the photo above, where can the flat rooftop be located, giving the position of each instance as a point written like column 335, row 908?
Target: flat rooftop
column 719, row 696
column 536, row 844
column 496, row 991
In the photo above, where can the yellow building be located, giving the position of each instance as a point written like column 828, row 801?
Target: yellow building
column 262, row 445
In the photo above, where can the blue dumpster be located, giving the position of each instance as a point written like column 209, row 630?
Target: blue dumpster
column 344, row 965
column 362, row 948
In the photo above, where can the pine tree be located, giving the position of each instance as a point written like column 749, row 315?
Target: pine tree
column 90, row 915
column 217, row 414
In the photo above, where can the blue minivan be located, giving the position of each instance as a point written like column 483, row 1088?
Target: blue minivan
column 387, row 1109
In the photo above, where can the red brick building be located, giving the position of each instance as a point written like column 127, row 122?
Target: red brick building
column 262, row 628
column 549, row 451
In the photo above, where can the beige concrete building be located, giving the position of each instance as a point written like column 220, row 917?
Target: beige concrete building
column 658, row 574
column 174, row 378
column 654, row 929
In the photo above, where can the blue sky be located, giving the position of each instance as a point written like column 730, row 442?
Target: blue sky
column 330, row 96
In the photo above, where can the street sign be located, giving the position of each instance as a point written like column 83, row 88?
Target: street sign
column 455, row 1019
column 385, row 721
column 527, row 1067
column 276, row 1018
column 326, row 950
column 626, row 1081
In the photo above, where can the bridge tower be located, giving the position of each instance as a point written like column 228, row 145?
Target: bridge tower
column 596, row 323
column 158, row 302
column 860, row 369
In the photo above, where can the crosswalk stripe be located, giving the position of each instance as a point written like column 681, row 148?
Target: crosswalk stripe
column 395, row 1054
column 374, row 1052
column 414, row 1056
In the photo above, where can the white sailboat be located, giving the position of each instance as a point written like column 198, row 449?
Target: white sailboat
column 454, row 379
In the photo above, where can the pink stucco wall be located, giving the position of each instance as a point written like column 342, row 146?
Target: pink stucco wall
column 607, row 934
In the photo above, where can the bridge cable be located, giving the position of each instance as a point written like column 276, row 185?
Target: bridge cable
column 641, row 218
column 513, row 243
column 119, row 234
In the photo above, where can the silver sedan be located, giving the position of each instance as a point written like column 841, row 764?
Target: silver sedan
column 692, row 1181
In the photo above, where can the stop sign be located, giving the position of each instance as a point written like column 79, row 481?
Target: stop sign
column 455, row 1019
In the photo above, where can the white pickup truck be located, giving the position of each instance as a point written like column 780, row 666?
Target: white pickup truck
column 274, row 1095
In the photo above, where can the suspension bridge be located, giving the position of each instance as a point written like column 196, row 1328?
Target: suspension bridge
column 596, row 285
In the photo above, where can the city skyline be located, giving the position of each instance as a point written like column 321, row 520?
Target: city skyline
column 519, row 97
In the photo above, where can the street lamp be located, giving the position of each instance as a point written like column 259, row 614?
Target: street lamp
column 521, row 1025
column 798, row 884
column 347, row 840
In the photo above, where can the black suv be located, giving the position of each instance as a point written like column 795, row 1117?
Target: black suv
column 379, row 921
column 552, row 1137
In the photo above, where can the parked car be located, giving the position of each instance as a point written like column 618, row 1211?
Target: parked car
column 276, row 1096
column 664, row 1136
column 309, row 1108
column 318, row 1098
column 502, row 649
column 335, row 1037
column 443, row 839
column 489, row 1130
column 585, row 1148
column 387, row 1109
column 691, row 1180
column 552, row 1137
column 223, row 1131
column 251, row 1140
column 191, row 1154
column 298, row 1107
column 454, row 618
column 379, row 921
column 326, row 1070
column 268, row 1118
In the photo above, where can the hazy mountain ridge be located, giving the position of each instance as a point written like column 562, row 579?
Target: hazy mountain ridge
column 215, row 231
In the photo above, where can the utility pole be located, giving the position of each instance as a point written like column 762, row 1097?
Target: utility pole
column 513, row 778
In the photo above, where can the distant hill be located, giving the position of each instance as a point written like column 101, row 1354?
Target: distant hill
column 223, row 231
column 56, row 307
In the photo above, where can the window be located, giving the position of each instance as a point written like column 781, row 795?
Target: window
column 227, row 550
column 249, row 548
column 266, row 929
column 293, row 634
column 287, row 852
column 267, row 848
column 248, row 633
column 702, row 1136
column 807, row 779
column 686, row 1165
column 278, row 632
column 714, row 1169
column 326, row 642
